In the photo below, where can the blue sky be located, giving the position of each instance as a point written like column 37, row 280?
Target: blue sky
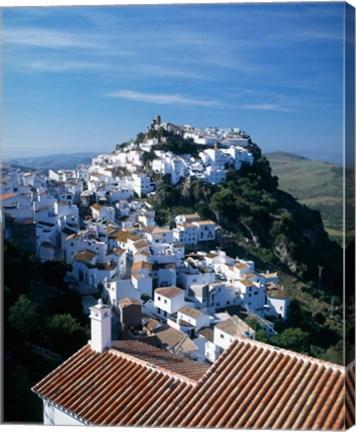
column 86, row 78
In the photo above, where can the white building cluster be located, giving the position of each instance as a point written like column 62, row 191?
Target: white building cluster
column 210, row 166
column 93, row 219
column 211, row 136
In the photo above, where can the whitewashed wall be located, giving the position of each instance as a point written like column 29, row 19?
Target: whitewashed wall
column 52, row 416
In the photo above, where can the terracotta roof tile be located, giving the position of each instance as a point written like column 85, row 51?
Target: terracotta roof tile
column 7, row 196
column 252, row 385
column 191, row 216
column 169, row 292
column 149, row 229
column 151, row 324
column 234, row 326
column 174, row 340
column 120, row 236
column 350, row 396
column 118, row 251
column 128, row 301
column 134, row 237
column 97, row 207
column 255, row 386
column 191, row 312
column 141, row 244
column 204, row 222
column 208, row 333
column 141, row 265
column 85, row 255
column 165, row 361
column 143, row 252
column 138, row 390
column 160, row 230
column 248, row 283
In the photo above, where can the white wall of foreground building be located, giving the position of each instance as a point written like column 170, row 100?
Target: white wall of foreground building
column 54, row 416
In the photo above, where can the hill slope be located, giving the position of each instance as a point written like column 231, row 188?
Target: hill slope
column 315, row 184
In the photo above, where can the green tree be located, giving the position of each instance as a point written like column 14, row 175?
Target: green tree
column 294, row 339
column 261, row 336
column 23, row 315
column 335, row 353
column 252, row 322
column 140, row 138
column 223, row 202
column 148, row 157
column 64, row 334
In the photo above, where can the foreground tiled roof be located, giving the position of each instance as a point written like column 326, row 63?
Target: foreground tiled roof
column 350, row 396
column 110, row 389
column 256, row 386
column 252, row 385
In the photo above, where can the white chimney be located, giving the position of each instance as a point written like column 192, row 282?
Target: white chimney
column 100, row 316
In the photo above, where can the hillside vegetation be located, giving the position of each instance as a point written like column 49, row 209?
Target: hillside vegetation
column 319, row 185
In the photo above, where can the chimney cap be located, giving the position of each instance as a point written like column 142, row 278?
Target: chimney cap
column 100, row 305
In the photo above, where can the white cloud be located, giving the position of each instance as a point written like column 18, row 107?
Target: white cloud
column 268, row 107
column 64, row 66
column 46, row 38
column 166, row 99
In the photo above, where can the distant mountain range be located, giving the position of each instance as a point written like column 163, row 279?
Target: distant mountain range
column 55, row 161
